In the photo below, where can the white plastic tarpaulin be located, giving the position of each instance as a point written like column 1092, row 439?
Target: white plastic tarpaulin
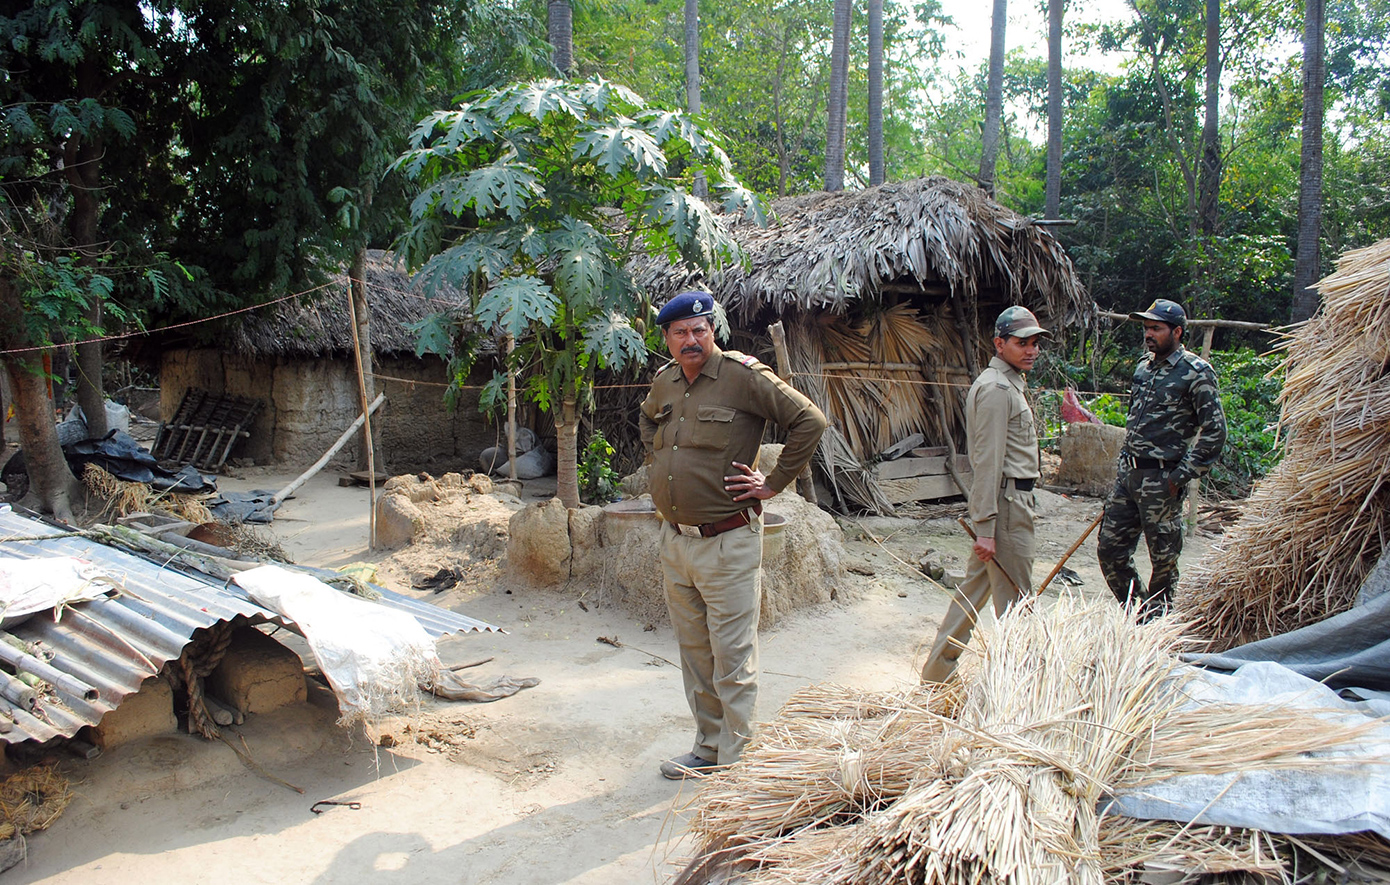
column 28, row 586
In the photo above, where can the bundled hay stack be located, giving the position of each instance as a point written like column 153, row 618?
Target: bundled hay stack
column 1314, row 527
column 999, row 780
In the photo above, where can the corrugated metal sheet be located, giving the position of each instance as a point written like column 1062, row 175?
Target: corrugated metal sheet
column 115, row 644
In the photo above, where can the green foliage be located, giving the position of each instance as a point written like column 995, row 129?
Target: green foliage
column 1250, row 386
column 1110, row 409
column 598, row 481
column 532, row 198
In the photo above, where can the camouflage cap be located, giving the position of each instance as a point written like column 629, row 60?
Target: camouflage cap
column 1018, row 322
column 1163, row 311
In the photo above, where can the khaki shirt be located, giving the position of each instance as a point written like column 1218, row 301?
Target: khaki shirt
column 1001, row 437
column 693, row 432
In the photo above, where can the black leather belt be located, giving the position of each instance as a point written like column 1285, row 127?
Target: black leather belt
column 711, row 529
column 1023, row 485
column 1150, row 464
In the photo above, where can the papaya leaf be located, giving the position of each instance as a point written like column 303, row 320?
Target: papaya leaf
column 514, row 302
column 612, row 339
column 622, row 146
column 434, row 334
column 538, row 100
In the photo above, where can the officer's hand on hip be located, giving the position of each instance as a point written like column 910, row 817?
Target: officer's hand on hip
column 747, row 483
column 984, row 549
column 1173, row 489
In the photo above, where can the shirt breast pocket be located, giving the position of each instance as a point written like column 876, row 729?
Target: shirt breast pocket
column 714, row 427
column 662, row 420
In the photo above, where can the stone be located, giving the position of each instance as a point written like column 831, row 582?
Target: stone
column 147, row 712
column 953, row 578
column 257, row 674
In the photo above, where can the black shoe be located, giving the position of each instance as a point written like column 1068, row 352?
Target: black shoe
column 686, row 766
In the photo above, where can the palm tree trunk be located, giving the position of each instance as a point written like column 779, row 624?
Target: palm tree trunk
column 839, row 93
column 692, row 76
column 994, row 98
column 1052, row 199
column 876, row 168
column 567, row 453
column 1307, row 266
column 560, row 31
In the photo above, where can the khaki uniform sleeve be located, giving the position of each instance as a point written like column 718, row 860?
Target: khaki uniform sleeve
column 778, row 401
column 987, row 428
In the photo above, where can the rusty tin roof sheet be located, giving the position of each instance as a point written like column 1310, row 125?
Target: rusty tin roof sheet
column 115, row 644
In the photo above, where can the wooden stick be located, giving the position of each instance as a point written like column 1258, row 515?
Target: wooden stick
column 332, row 450
column 60, row 680
column 510, row 348
column 366, row 421
column 1065, row 556
column 971, row 532
column 804, row 483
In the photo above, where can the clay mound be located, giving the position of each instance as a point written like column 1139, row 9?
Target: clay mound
column 610, row 556
column 1089, row 452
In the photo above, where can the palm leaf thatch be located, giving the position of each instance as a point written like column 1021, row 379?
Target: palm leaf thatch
column 999, row 779
column 827, row 249
column 887, row 295
column 1312, row 530
column 318, row 324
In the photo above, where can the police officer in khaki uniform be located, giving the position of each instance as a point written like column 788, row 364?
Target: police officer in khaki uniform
column 1003, row 446
column 702, row 424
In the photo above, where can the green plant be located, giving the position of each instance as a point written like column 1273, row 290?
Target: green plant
column 1109, row 408
column 1250, row 385
column 598, row 481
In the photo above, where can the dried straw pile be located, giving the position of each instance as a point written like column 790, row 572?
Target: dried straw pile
column 124, row 498
column 999, row 780
column 1313, row 528
column 33, row 799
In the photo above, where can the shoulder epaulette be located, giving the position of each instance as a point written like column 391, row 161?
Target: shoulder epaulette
column 745, row 359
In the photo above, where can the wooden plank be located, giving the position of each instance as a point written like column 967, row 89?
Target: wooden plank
column 930, row 451
column 907, row 467
column 919, row 488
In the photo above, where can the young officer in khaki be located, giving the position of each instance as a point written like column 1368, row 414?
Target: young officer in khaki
column 702, row 424
column 1003, row 448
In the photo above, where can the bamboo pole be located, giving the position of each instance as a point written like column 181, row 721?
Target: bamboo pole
column 804, row 483
column 1070, row 550
column 511, row 408
column 332, row 450
column 60, row 680
column 366, row 421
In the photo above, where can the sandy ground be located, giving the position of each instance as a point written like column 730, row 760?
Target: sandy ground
column 557, row 784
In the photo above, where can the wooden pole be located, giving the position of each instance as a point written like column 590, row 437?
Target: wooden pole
column 511, row 408
column 332, row 450
column 1065, row 556
column 1194, row 487
column 804, row 483
column 366, row 421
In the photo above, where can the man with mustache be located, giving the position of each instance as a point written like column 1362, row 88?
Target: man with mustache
column 1173, row 434
column 1003, row 446
column 702, row 424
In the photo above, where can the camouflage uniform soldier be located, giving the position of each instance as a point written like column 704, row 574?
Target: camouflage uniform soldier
column 1174, row 399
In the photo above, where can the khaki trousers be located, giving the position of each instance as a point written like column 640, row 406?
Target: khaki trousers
column 1013, row 542
column 713, row 592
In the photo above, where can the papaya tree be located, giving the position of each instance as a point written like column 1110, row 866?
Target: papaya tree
column 533, row 197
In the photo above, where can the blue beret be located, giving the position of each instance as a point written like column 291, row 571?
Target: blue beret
column 686, row 305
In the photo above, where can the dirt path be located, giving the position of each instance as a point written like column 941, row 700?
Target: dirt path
column 557, row 784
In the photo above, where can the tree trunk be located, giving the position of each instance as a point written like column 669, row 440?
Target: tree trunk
column 357, row 274
column 52, row 487
column 567, row 454
column 1209, row 176
column 560, row 30
column 838, row 99
column 1307, row 265
column 994, row 98
column 692, row 76
column 1052, row 200
column 82, row 168
column 876, row 169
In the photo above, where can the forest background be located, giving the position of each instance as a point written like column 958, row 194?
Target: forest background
column 165, row 162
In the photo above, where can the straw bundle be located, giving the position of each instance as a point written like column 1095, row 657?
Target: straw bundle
column 1066, row 706
column 1314, row 527
column 124, row 498
column 34, row 798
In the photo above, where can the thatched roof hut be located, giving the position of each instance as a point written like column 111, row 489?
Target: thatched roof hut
column 297, row 357
column 888, row 296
